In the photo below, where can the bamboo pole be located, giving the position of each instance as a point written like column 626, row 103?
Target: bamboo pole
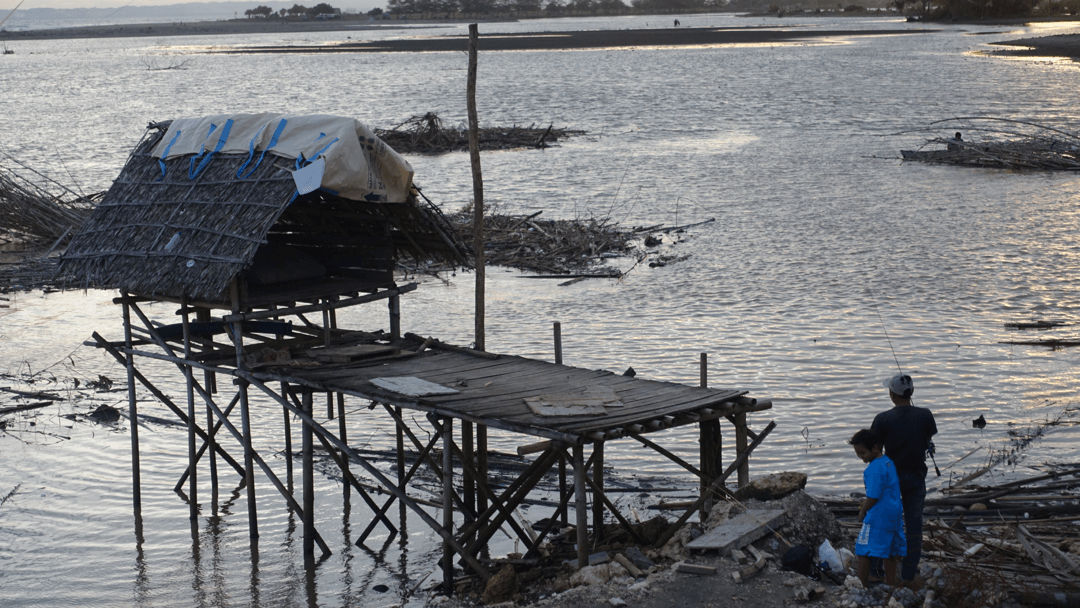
column 478, row 189
column 309, row 484
column 193, row 487
column 129, row 362
column 598, row 491
column 287, row 425
column 582, row 515
column 400, row 444
column 202, row 315
column 448, row 504
column 237, row 334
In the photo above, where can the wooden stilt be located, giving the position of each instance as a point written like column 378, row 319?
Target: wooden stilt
column 482, row 473
column 580, row 506
column 211, row 428
column 288, row 443
column 343, row 457
column 448, row 504
column 468, row 480
column 236, row 331
column 129, row 362
column 562, row 487
column 400, row 444
column 598, row 491
column 394, row 304
column 202, row 315
column 741, row 448
column 193, row 487
column 710, row 443
column 557, row 331
column 309, row 483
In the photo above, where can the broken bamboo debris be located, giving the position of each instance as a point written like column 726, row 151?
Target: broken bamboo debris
column 427, row 134
column 1002, row 143
column 560, row 249
column 1015, row 538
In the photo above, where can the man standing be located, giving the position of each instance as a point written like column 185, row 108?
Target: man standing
column 906, row 431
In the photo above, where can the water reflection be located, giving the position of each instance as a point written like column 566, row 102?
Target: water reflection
column 788, row 148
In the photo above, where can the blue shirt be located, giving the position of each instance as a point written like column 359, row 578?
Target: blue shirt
column 882, row 483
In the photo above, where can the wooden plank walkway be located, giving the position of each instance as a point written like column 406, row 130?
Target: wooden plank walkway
column 492, row 390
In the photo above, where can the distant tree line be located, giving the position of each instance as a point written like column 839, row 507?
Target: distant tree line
column 482, row 7
column 412, row 8
column 926, row 9
column 986, row 9
column 297, row 11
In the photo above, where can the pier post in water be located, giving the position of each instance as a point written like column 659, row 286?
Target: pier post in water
column 136, row 485
column 710, row 443
column 448, row 502
column 309, row 482
column 580, row 507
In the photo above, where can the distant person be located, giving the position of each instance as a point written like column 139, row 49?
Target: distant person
column 905, row 431
column 881, row 514
column 956, row 143
column 676, row 23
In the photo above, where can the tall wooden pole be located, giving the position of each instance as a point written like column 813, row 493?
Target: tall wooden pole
column 478, row 189
column 478, row 249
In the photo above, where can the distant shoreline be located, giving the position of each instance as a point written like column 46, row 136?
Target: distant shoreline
column 1061, row 45
column 208, row 28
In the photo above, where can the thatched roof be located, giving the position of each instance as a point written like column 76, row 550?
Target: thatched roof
column 178, row 227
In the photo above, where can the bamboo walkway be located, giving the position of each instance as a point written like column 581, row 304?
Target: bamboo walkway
column 277, row 357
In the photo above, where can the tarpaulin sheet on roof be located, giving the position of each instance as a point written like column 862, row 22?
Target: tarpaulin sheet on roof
column 359, row 165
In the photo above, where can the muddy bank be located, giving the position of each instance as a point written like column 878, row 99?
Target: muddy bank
column 1060, row 45
column 682, row 36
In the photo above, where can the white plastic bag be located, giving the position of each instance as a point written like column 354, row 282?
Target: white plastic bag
column 828, row 557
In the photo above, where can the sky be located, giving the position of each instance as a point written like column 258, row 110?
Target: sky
column 7, row 5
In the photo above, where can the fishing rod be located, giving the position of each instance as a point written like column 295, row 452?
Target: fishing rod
column 873, row 300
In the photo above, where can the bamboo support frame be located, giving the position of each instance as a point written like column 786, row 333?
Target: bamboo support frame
column 484, row 513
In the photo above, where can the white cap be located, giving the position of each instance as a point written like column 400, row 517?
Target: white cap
column 900, row 385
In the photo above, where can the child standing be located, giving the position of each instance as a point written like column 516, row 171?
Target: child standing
column 881, row 513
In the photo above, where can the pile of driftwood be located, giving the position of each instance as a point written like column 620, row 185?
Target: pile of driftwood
column 41, row 209
column 427, row 135
column 36, row 217
column 999, row 143
column 562, row 249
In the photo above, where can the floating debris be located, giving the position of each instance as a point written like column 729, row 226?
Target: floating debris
column 1002, row 143
column 427, row 135
column 1035, row 325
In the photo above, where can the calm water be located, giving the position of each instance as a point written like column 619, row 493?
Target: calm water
column 821, row 237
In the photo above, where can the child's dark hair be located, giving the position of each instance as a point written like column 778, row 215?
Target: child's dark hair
column 866, row 438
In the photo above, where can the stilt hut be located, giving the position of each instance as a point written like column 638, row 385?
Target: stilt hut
column 254, row 223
